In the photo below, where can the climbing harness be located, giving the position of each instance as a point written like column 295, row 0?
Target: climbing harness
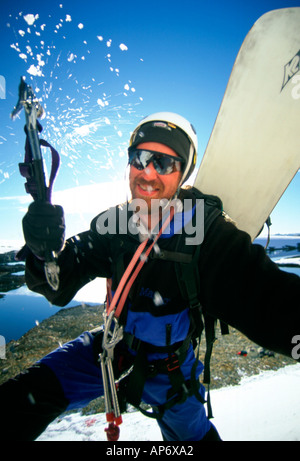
column 186, row 265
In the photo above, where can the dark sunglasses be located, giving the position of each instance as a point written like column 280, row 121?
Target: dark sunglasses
column 163, row 163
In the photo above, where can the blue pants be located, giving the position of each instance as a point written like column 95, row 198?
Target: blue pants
column 79, row 374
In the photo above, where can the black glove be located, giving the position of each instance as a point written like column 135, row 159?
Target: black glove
column 44, row 228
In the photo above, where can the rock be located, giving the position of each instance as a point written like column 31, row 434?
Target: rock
column 228, row 367
column 11, row 275
column 8, row 257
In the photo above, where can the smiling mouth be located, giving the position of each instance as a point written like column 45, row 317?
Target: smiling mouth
column 147, row 189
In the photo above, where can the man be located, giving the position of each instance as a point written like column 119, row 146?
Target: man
column 237, row 283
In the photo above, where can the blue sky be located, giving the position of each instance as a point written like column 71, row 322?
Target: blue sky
column 99, row 67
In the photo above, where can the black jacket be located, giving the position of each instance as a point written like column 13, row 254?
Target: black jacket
column 239, row 284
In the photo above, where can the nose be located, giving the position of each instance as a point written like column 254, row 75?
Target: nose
column 150, row 172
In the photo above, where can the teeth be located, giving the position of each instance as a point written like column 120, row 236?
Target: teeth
column 147, row 188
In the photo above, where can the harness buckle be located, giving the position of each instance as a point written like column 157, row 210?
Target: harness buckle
column 172, row 362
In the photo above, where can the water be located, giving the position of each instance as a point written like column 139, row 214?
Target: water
column 279, row 243
column 293, row 270
column 20, row 309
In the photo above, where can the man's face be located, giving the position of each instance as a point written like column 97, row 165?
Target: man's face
column 148, row 184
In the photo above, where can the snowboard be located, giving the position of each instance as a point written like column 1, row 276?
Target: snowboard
column 254, row 150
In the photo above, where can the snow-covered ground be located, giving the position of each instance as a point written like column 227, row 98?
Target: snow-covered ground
column 292, row 260
column 262, row 408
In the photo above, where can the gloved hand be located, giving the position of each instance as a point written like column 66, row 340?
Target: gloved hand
column 44, row 228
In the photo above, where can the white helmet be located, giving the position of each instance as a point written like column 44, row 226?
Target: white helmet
column 174, row 131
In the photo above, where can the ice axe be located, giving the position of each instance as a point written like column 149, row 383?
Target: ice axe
column 33, row 167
